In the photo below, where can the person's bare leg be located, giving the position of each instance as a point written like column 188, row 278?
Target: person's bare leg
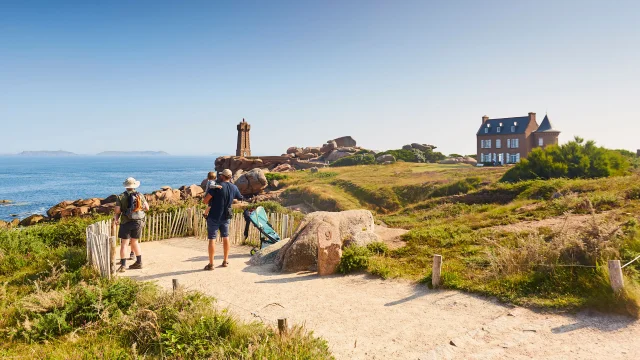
column 212, row 250
column 135, row 247
column 225, row 244
column 123, row 246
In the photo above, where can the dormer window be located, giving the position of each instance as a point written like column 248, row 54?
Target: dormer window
column 486, row 130
column 497, row 129
column 513, row 129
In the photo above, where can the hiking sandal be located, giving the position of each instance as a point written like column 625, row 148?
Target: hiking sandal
column 224, row 264
column 209, row 267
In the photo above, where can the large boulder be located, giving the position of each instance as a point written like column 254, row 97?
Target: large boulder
column 407, row 147
column 31, row 220
column 193, row 191
column 283, row 168
column 110, row 199
column 345, row 141
column 328, row 147
column 252, row 182
column 318, row 243
column 335, row 155
column 312, row 150
column 422, row 147
column 268, row 254
column 4, row 224
column 294, row 150
column 385, row 158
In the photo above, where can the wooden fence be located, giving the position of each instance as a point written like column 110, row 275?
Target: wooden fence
column 102, row 242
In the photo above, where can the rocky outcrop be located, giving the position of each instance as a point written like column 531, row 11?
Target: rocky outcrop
column 336, row 155
column 268, row 254
column 252, row 182
column 459, row 160
column 387, row 158
column 421, row 147
column 328, row 147
column 345, row 141
column 4, row 202
column 318, row 243
column 31, row 220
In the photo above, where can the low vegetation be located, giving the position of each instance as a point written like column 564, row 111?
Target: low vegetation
column 537, row 242
column 575, row 159
column 53, row 306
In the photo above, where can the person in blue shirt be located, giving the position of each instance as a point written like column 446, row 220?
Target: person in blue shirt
column 219, row 215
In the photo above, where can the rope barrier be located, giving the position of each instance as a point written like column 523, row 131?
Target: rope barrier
column 629, row 263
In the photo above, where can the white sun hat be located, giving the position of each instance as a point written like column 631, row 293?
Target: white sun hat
column 131, row 183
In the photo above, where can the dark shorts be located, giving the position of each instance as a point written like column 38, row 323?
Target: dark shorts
column 131, row 230
column 214, row 226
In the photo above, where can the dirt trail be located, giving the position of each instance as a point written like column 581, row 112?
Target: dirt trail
column 367, row 318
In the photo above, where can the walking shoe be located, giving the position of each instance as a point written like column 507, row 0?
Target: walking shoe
column 132, row 256
column 135, row 266
column 121, row 269
column 209, row 267
column 224, row 264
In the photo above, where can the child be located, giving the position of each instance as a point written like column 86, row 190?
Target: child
column 211, row 184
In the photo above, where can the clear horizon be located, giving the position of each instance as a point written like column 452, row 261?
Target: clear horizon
column 129, row 76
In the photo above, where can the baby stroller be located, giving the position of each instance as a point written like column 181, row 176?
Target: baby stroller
column 259, row 219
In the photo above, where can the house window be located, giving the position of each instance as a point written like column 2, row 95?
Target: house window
column 509, row 143
column 498, row 143
column 485, row 144
column 514, row 158
column 515, row 143
column 540, row 142
column 498, row 129
column 486, row 130
column 488, row 144
column 513, row 129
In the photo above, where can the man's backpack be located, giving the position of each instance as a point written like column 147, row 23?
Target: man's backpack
column 135, row 203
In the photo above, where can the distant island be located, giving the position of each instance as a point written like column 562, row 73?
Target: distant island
column 133, row 153
column 47, row 153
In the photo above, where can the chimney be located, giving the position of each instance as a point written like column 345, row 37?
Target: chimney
column 484, row 119
column 532, row 117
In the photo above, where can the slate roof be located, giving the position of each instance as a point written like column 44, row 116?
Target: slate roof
column 545, row 126
column 493, row 124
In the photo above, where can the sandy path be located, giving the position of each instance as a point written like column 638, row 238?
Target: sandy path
column 368, row 318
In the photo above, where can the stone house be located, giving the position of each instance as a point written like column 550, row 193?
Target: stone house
column 507, row 140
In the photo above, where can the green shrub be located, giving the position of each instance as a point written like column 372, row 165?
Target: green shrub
column 378, row 248
column 275, row 176
column 364, row 159
column 354, row 258
column 575, row 159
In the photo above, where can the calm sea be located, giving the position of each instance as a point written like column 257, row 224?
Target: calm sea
column 34, row 184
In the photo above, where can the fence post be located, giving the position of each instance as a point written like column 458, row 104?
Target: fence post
column 112, row 245
column 615, row 276
column 175, row 284
column 282, row 326
column 189, row 221
column 285, row 224
column 437, row 269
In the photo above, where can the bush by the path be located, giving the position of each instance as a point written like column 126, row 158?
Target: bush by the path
column 575, row 159
column 415, row 155
column 53, row 306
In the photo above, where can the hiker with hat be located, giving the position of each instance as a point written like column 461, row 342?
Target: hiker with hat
column 130, row 213
column 220, row 199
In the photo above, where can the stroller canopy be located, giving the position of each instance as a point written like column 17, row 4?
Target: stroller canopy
column 259, row 219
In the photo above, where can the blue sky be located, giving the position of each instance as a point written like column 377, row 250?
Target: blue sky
column 89, row 76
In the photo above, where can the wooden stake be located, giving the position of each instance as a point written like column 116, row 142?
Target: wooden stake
column 282, row 326
column 437, row 269
column 615, row 276
column 175, row 284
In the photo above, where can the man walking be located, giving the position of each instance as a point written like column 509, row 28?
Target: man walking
column 130, row 213
column 220, row 213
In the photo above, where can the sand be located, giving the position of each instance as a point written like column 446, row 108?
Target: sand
column 363, row 317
